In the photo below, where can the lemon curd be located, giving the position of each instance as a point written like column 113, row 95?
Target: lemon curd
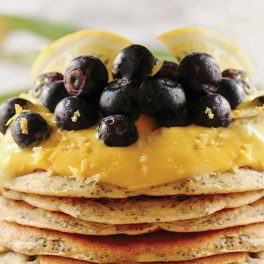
column 159, row 156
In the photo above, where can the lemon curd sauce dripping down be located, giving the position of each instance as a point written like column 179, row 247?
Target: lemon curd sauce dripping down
column 159, row 156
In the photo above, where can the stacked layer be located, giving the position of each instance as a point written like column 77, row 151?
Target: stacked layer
column 199, row 220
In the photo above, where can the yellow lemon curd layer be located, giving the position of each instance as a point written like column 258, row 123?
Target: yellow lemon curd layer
column 159, row 156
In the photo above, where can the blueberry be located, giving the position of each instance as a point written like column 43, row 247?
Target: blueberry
column 52, row 94
column 169, row 70
column 198, row 69
column 73, row 113
column 165, row 101
column 259, row 101
column 242, row 76
column 85, row 76
column 232, row 90
column 7, row 110
column 117, row 131
column 120, row 98
column 29, row 129
column 133, row 63
column 45, row 79
column 211, row 110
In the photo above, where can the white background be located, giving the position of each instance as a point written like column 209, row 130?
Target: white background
column 139, row 20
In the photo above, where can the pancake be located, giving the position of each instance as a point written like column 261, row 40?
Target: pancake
column 140, row 209
column 159, row 246
column 24, row 214
column 230, row 258
column 241, row 180
column 244, row 215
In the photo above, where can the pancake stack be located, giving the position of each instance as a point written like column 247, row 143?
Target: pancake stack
column 118, row 168
column 217, row 218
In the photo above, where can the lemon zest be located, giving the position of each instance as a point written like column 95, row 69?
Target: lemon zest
column 209, row 112
column 76, row 116
column 24, row 126
column 19, row 109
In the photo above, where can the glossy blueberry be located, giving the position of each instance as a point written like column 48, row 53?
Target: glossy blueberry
column 7, row 110
column 242, row 76
column 85, row 76
column 43, row 80
column 232, row 90
column 169, row 70
column 120, row 98
column 165, row 101
column 117, row 131
column 29, row 129
column 133, row 63
column 73, row 113
column 211, row 110
column 52, row 94
column 198, row 69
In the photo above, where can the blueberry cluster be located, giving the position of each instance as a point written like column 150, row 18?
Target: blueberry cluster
column 195, row 91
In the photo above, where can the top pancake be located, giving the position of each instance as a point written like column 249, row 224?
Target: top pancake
column 65, row 186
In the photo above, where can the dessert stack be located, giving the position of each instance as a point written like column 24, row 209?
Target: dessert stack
column 162, row 164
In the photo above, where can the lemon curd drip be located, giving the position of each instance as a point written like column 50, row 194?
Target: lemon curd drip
column 159, row 156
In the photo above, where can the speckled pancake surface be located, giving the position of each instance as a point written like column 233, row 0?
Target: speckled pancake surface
column 160, row 246
column 230, row 258
column 241, row 180
column 25, row 214
column 138, row 209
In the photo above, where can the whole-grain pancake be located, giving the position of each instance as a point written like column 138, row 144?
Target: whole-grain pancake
column 230, row 258
column 241, row 180
column 24, row 214
column 138, row 209
column 244, row 215
column 159, row 246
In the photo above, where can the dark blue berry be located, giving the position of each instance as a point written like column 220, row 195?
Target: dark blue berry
column 73, row 113
column 241, row 76
column 29, row 129
column 85, row 76
column 43, row 80
column 169, row 70
column 52, row 94
column 117, row 131
column 120, row 98
column 7, row 110
column 232, row 90
column 259, row 101
column 165, row 101
column 133, row 63
column 198, row 69
column 211, row 110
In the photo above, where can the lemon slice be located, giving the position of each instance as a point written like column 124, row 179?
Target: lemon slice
column 183, row 41
column 101, row 44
